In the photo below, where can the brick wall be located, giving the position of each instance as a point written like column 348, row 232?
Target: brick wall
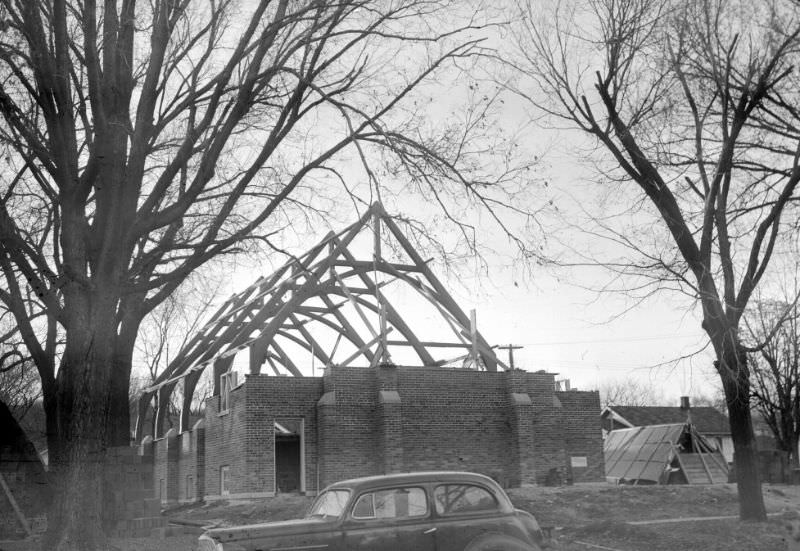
column 275, row 398
column 581, row 431
column 225, row 437
column 165, row 471
column 454, row 419
column 512, row 426
column 550, row 452
column 390, row 428
column 348, row 427
column 191, row 464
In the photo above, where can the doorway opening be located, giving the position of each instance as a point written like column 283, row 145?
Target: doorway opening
column 289, row 456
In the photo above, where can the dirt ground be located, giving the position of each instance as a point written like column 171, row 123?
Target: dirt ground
column 581, row 517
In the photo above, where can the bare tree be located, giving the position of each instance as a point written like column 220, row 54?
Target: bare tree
column 714, row 400
column 165, row 331
column 691, row 109
column 19, row 381
column 19, row 386
column 629, row 392
column 774, row 327
column 141, row 140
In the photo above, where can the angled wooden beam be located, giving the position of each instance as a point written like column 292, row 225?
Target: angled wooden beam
column 430, row 295
column 354, row 303
column 189, row 386
column 162, row 409
column 241, row 314
column 440, row 363
column 320, row 309
column 305, row 344
column 203, row 346
column 208, row 340
column 381, row 265
column 349, row 331
column 443, row 296
column 317, row 349
column 363, row 351
column 258, row 352
column 431, row 344
column 145, row 401
column 285, row 359
column 395, row 318
column 271, row 358
column 397, row 321
column 277, row 310
column 217, row 335
column 329, row 323
column 194, row 347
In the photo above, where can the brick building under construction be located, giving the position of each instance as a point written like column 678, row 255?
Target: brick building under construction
column 385, row 401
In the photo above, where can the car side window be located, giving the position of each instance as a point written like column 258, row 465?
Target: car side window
column 453, row 499
column 391, row 503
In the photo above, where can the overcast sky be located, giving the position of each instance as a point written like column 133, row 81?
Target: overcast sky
column 585, row 336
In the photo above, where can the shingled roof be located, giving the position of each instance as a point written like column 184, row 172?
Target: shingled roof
column 707, row 420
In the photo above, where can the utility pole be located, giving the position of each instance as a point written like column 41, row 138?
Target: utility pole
column 510, row 348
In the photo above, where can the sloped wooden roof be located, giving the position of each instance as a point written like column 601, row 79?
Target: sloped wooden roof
column 640, row 453
column 707, row 420
column 643, row 454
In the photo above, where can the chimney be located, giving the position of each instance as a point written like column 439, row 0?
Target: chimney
column 685, row 409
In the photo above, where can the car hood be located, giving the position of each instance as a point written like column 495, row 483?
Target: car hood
column 272, row 529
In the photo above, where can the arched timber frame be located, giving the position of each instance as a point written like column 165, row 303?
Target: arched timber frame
column 275, row 306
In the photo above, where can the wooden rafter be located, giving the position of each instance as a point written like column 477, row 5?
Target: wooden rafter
column 277, row 307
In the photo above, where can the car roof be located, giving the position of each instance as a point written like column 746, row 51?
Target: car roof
column 413, row 478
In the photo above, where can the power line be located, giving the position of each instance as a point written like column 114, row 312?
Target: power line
column 619, row 339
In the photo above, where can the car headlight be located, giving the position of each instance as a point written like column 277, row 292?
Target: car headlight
column 208, row 544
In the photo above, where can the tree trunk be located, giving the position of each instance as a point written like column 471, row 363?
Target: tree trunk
column 736, row 383
column 85, row 423
column 75, row 517
column 120, row 413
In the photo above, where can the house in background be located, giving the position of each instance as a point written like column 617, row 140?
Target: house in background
column 708, row 421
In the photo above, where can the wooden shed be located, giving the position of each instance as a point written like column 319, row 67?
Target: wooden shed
column 663, row 454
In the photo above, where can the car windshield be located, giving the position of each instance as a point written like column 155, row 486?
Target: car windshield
column 329, row 504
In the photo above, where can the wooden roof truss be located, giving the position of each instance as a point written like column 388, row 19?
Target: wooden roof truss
column 323, row 287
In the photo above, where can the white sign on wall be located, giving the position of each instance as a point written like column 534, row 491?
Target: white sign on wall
column 579, row 461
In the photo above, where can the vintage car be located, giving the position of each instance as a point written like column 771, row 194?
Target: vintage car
column 430, row 511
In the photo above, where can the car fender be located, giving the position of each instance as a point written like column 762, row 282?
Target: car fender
column 499, row 542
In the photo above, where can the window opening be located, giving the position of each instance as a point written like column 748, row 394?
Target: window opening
column 224, row 480
column 289, row 455
column 227, row 383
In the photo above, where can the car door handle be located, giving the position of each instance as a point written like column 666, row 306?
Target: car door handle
column 430, row 530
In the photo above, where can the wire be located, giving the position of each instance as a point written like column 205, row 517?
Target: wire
column 620, row 339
